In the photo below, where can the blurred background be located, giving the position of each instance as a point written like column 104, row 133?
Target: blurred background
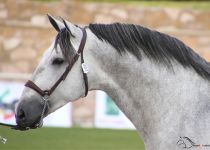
column 25, row 34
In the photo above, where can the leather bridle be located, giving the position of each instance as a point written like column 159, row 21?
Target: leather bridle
column 45, row 94
column 48, row 92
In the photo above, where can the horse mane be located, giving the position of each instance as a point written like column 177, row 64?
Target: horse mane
column 157, row 46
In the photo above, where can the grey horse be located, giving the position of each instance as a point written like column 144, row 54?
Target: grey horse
column 159, row 83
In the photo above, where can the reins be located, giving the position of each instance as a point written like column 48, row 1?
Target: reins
column 8, row 125
column 15, row 127
column 45, row 94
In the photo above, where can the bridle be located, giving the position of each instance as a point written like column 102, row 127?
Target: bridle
column 45, row 94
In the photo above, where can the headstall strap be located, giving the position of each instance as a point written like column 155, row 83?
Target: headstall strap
column 83, row 65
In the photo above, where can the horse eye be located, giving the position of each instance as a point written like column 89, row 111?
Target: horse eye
column 58, row 61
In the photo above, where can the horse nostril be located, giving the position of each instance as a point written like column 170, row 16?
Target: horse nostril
column 21, row 114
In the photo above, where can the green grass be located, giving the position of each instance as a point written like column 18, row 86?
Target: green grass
column 199, row 4
column 203, row 5
column 71, row 139
column 189, row 4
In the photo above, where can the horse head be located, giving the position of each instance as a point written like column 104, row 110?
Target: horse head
column 59, row 77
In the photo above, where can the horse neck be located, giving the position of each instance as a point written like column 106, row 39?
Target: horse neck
column 146, row 90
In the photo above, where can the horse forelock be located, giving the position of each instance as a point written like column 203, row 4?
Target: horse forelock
column 157, row 46
column 63, row 39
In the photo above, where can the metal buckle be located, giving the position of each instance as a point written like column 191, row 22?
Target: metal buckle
column 85, row 68
column 46, row 97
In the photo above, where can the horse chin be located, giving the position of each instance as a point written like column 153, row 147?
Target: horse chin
column 26, row 126
column 37, row 124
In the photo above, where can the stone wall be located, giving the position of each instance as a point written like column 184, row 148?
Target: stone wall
column 25, row 32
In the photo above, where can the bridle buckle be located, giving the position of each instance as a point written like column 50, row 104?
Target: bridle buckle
column 46, row 96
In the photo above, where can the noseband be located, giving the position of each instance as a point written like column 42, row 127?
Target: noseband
column 45, row 94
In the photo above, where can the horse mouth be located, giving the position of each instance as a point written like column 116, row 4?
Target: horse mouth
column 31, row 119
column 38, row 123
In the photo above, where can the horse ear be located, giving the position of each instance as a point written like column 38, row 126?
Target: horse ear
column 55, row 23
column 65, row 24
column 73, row 29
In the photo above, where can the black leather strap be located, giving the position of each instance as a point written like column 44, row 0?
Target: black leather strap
column 15, row 127
column 84, row 75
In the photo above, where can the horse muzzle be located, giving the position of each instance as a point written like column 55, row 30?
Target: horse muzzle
column 28, row 113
